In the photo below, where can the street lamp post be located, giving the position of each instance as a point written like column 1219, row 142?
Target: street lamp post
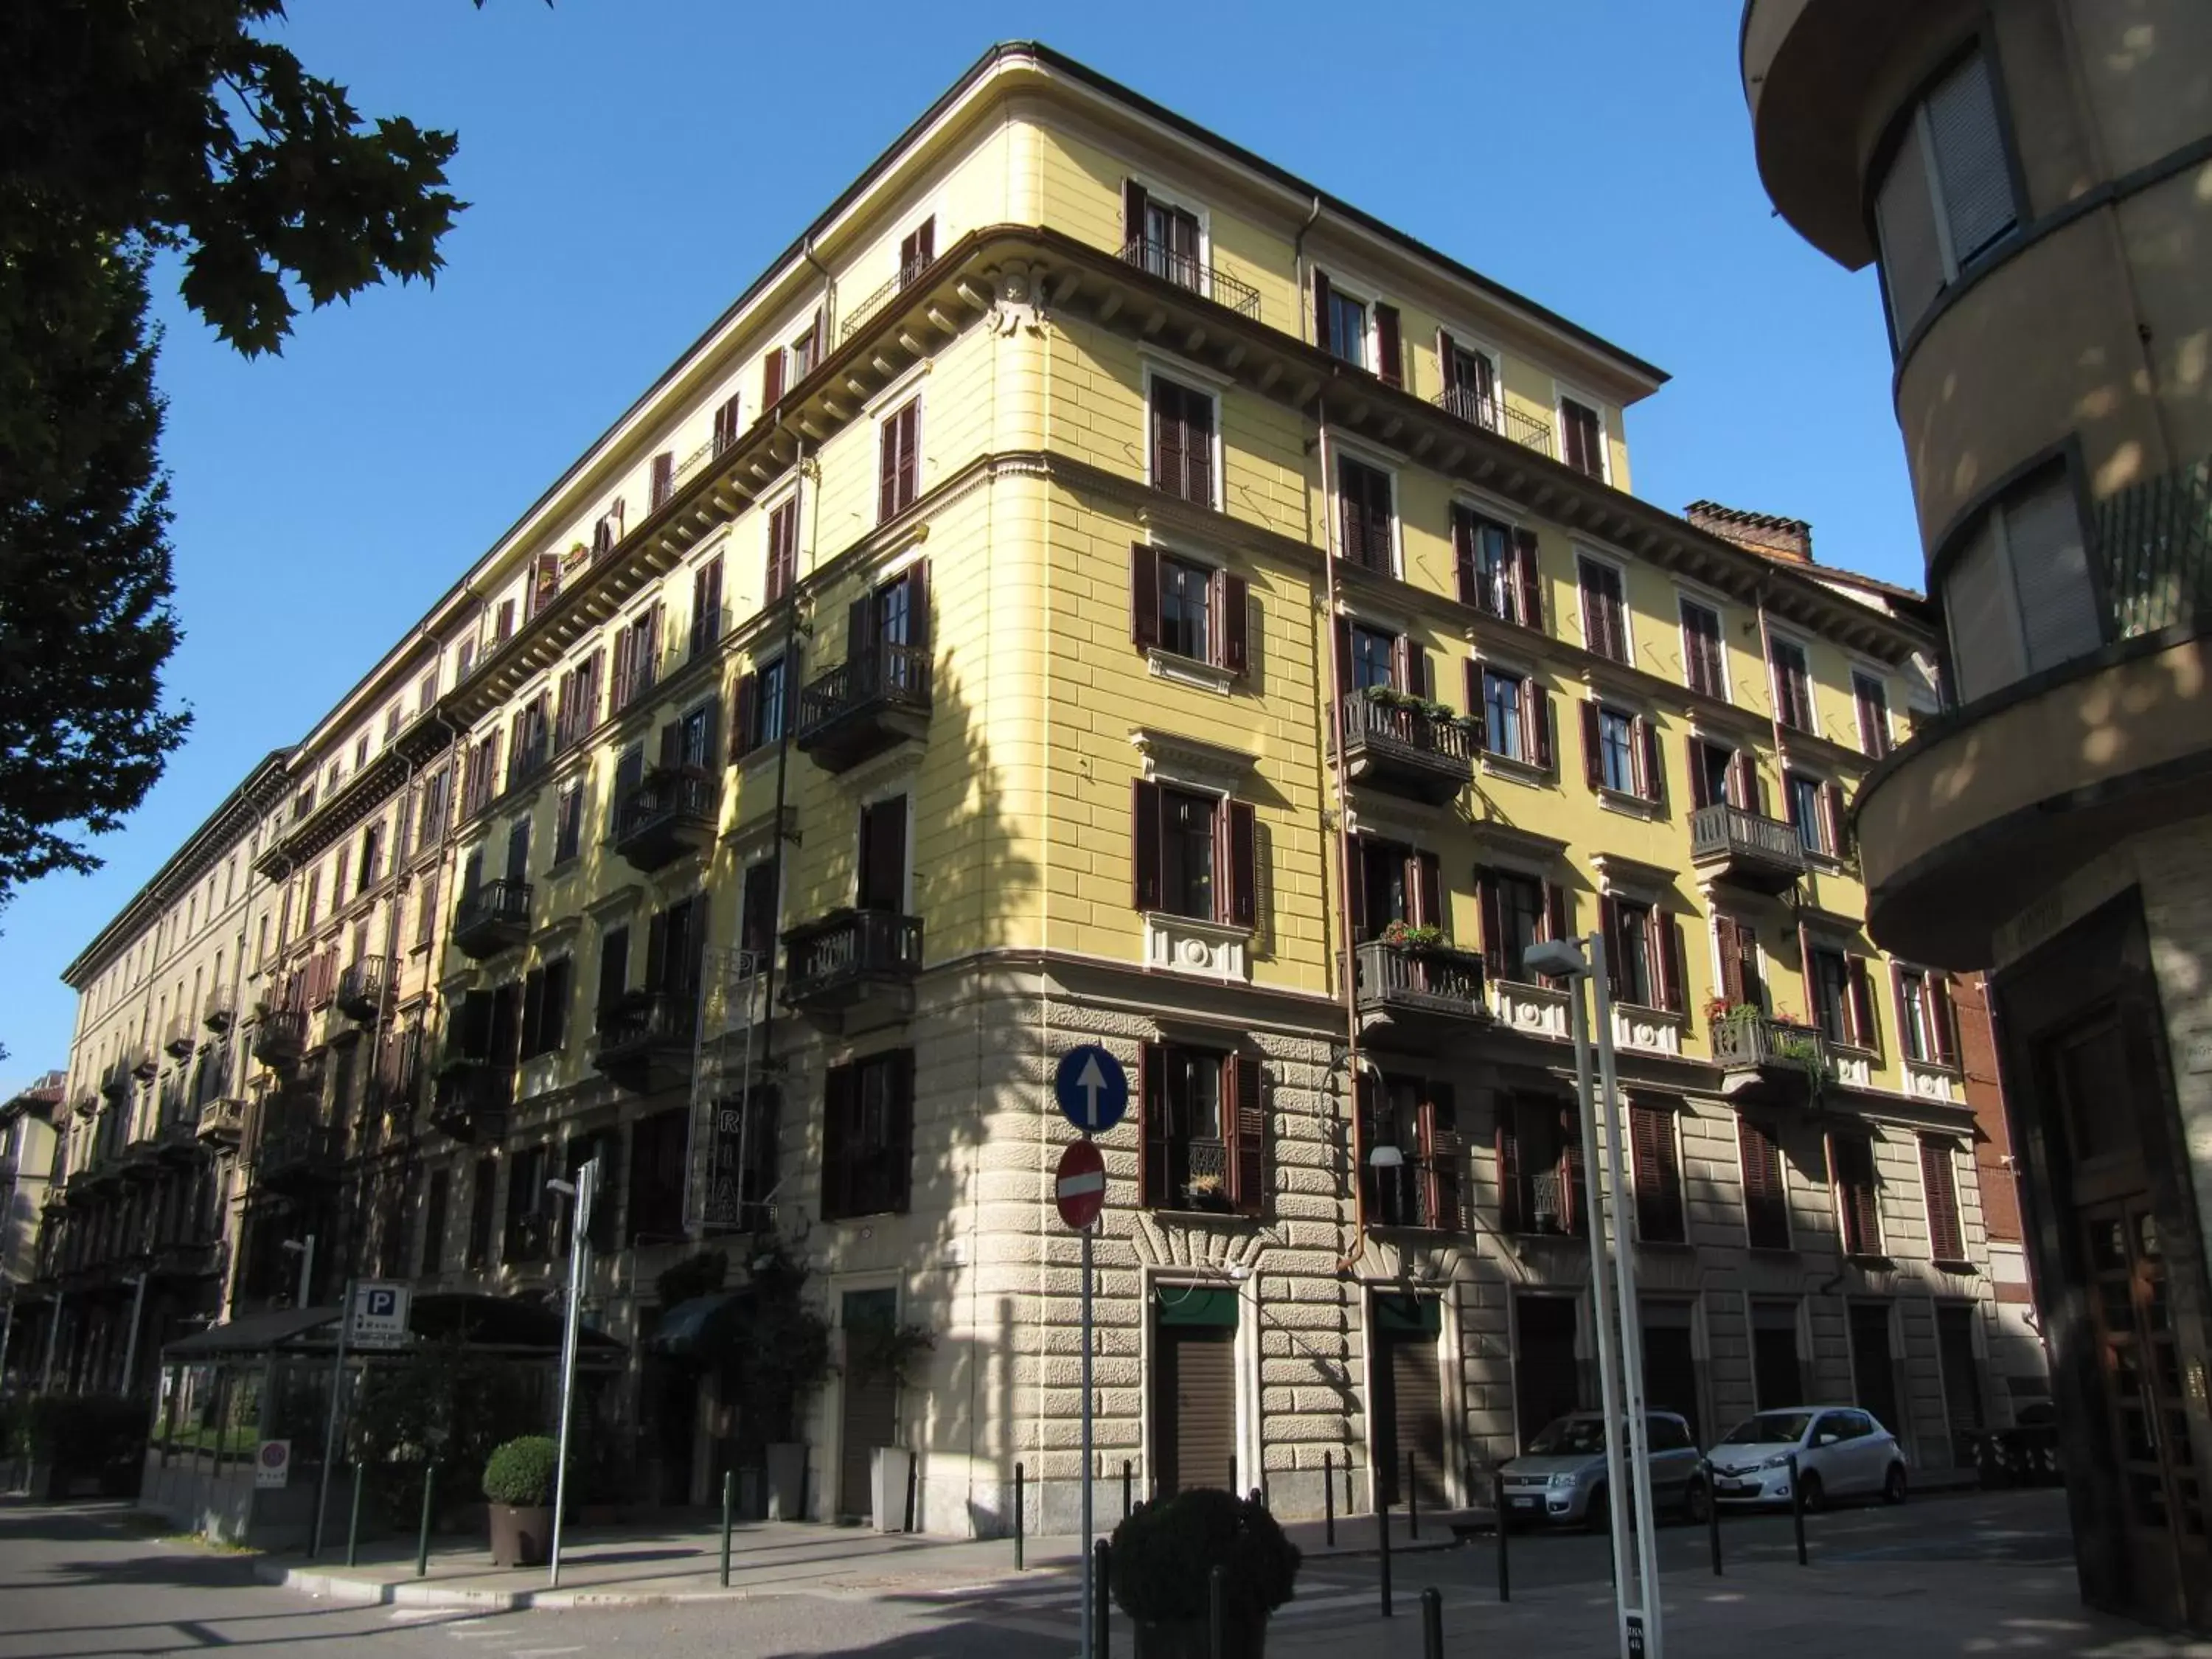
column 1565, row 959
column 130, row 1343
column 305, row 1249
column 581, row 1192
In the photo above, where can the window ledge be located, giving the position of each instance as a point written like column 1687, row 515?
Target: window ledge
column 1619, row 800
column 1514, row 769
column 1190, row 945
column 1955, row 1264
column 1241, row 1218
column 1166, row 664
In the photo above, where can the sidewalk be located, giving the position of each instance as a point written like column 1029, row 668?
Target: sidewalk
column 637, row 1566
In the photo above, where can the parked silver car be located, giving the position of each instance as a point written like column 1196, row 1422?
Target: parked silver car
column 1841, row 1452
column 1561, row 1478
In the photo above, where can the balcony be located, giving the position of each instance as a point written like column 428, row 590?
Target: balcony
column 848, row 956
column 1768, row 1061
column 115, row 1080
column 1406, row 748
column 1493, row 414
column 178, row 1141
column 183, row 1259
column 644, row 1039
column 365, row 989
column 296, row 1155
column 178, row 1042
column 469, row 1099
column 216, row 1013
column 280, row 1035
column 668, row 816
column 864, row 706
column 144, row 1067
column 491, row 917
column 1418, row 986
column 1762, row 854
column 1186, row 272
column 221, row 1122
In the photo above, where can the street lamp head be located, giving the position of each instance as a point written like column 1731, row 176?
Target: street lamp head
column 1386, row 1157
column 293, row 1247
column 566, row 1188
column 1559, row 958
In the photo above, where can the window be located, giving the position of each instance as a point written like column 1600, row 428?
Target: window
column 1183, row 441
column 867, row 1138
column 1704, row 668
column 1873, row 701
column 1947, row 195
column 1503, row 698
column 393, row 716
column 372, row 856
column 434, row 804
column 1620, row 753
column 806, row 350
column 1365, row 515
column 1497, row 569
column 480, row 775
column 1184, row 842
column 663, row 483
column 1162, row 238
column 1643, row 953
column 659, row 1149
column 917, row 248
column 1828, row 984
column 1858, row 1207
column 2017, row 597
column 1582, row 435
column 1426, row 1186
column 1766, row 1194
column 637, row 644
column 1392, row 883
column 1518, row 911
column 1925, row 1018
column 1539, row 1165
column 434, row 1222
column 880, row 884
column 1187, row 609
column 756, row 914
column 1343, row 323
column 427, row 692
column 629, row 772
column 529, row 1206
column 568, row 822
column 313, row 901
column 577, row 709
column 706, row 607
column 1617, row 750
column 425, row 910
column 1718, row 773
column 1947, row 1237
column 1658, row 1175
column 1374, row 657
column 1793, row 686
column 758, row 719
column 1816, row 809
column 1470, row 383
column 1604, row 608
column 614, row 968
column 726, row 426
column 782, row 549
column 898, row 466
column 484, row 1185
column 1203, row 1130
column 545, row 1008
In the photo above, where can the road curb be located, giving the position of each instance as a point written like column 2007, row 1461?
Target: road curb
column 337, row 1587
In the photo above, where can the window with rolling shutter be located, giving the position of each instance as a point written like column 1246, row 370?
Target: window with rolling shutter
column 1981, row 618
column 1766, row 1194
column 1964, row 136
column 1183, row 441
column 1658, row 1176
column 1946, row 1237
column 1947, row 196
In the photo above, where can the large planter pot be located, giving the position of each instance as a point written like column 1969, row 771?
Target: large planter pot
column 888, row 1469
column 787, row 1482
column 519, row 1537
column 1187, row 1638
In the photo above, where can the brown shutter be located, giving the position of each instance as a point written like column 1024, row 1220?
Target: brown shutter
column 1559, row 911
column 1668, row 932
column 1492, row 922
column 1447, row 361
column 1144, row 595
column 625, row 651
column 1197, row 448
column 1944, row 1018
column 1152, row 1126
column 1475, row 704
column 1743, row 780
column 1542, row 723
column 917, row 608
column 1832, row 806
column 1389, row 358
column 899, row 1148
column 1169, row 438
column 741, row 716
column 836, row 1142
column 1593, row 764
column 887, row 467
column 1946, row 1239
column 1864, row 1031
column 1693, row 753
column 671, row 745
column 1441, row 1153
column 1608, row 923
column 1531, row 581
column 1244, row 1119
column 1658, row 1180
column 1655, row 765
column 1429, row 889
column 1355, row 883
column 1236, row 623
column 1510, row 1219
column 1344, row 655
column 1725, row 935
column 1320, row 310
column 1244, row 865
column 772, row 378
column 1465, row 538
column 1144, row 843
column 1133, row 214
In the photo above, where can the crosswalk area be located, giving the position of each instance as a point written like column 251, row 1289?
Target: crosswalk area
column 1049, row 1604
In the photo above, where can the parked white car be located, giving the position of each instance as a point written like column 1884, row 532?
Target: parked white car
column 1841, row 1452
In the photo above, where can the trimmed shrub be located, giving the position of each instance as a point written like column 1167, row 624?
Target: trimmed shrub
column 521, row 1473
column 1164, row 1553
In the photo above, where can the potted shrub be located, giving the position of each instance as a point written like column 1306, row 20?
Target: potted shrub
column 518, row 1487
column 1416, row 936
column 1163, row 1558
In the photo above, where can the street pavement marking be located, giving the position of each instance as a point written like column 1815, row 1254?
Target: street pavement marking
column 542, row 1653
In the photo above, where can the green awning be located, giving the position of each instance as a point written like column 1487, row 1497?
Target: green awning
column 1409, row 1315
column 1192, row 1305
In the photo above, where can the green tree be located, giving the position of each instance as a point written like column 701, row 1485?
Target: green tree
column 130, row 129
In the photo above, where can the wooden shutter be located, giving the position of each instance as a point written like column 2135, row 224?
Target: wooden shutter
column 1946, row 1237
column 1465, row 539
column 1493, row 915
column 1530, row 580
column 772, row 378
column 1655, row 765
column 1442, row 1153
column 1355, row 881
column 1447, row 361
column 1693, row 754
column 898, row 1149
column 1197, row 448
column 1593, row 758
column 1321, row 311
column 1236, row 623
column 909, row 447
column 1144, row 594
column 1145, row 844
column 671, row 746
column 1363, row 1136
column 882, row 854
column 663, row 477
column 1428, row 876
column 1243, row 863
column 1666, row 942
column 917, row 606
column 1658, row 1175
column 1510, row 1219
column 1151, row 1127
column 1133, row 215
column 1765, row 1199
column 744, row 715
column 1832, row 809
column 1344, row 656
column 1169, row 437
column 887, row 467
column 1389, row 358
column 1943, row 1017
column 1726, row 937
column 1542, row 724
column 1609, row 922
column 1558, row 912
column 836, row 1142
column 1859, row 985
column 1245, row 1120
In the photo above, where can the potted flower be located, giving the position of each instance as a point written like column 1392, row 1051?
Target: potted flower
column 1206, row 1192
column 1163, row 1558
column 518, row 1489
column 1411, row 935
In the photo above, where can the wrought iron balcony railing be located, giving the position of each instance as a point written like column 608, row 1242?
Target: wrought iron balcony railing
column 1492, row 413
column 1199, row 275
column 1413, row 978
column 490, row 917
column 365, row 988
column 865, row 705
column 842, row 957
column 1760, row 853
column 666, row 814
column 1399, row 746
column 280, row 1035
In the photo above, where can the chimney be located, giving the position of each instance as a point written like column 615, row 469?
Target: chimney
column 1762, row 533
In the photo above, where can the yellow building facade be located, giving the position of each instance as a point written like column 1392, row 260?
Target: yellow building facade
column 1096, row 587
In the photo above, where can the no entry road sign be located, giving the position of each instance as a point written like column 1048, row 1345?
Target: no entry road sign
column 1080, row 1184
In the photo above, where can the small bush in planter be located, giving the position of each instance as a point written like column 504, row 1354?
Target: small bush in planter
column 521, row 1473
column 1163, row 1560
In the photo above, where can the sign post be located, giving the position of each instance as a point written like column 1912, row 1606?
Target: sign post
column 378, row 1316
column 331, row 1424
column 579, row 1218
column 1093, row 1092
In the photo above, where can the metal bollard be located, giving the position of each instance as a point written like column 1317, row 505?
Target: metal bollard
column 353, row 1521
column 1328, row 1495
column 1382, row 1532
column 1797, row 1508
column 1433, row 1623
column 1713, row 1517
column 423, row 1539
column 1505, row 1560
column 729, row 1481
column 1102, row 1564
column 1412, row 1501
column 1125, row 1489
column 1217, row 1612
column 1017, row 1517
column 1258, row 1499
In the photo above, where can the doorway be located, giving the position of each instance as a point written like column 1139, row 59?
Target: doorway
column 1546, row 1374
column 1778, row 1376
column 1962, row 1378
column 869, row 1417
column 1874, row 1366
column 1407, row 1387
column 1670, row 1362
column 1194, row 1389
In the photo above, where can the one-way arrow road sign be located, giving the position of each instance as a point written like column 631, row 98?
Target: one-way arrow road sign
column 1091, row 1088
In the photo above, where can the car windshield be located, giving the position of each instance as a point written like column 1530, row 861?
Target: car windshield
column 1769, row 1428
column 1569, row 1437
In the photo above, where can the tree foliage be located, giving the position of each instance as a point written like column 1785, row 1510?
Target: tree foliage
column 128, row 130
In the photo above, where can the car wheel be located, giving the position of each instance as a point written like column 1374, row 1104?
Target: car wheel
column 1892, row 1485
column 1597, row 1515
column 1695, row 1503
column 1809, row 1488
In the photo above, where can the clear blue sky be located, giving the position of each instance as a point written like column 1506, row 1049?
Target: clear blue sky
column 634, row 164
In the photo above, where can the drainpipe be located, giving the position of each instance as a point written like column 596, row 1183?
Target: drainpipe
column 1298, row 265
column 1332, row 677
column 828, row 299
